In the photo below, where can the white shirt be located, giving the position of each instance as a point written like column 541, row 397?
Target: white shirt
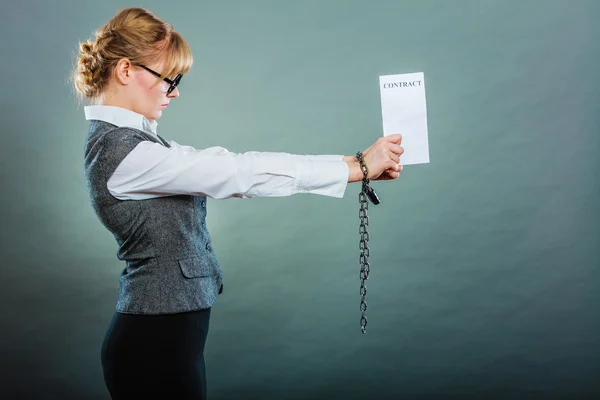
column 152, row 170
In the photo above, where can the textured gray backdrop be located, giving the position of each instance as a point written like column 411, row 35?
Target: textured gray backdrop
column 485, row 263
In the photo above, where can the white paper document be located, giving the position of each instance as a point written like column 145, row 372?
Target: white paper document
column 404, row 111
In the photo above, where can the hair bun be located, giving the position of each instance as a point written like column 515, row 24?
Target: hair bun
column 87, row 53
column 89, row 69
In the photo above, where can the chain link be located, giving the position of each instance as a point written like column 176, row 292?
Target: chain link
column 365, row 267
column 364, row 257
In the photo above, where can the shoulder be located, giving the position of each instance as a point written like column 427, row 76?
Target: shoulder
column 101, row 130
column 106, row 141
column 100, row 133
column 123, row 135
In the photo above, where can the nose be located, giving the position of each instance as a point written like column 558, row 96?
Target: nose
column 174, row 94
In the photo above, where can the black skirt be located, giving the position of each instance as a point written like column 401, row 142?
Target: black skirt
column 156, row 356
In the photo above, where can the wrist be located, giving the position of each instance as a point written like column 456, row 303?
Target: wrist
column 355, row 173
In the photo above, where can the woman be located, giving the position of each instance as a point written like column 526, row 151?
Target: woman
column 151, row 195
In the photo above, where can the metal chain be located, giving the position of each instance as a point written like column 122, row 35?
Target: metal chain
column 364, row 257
column 366, row 192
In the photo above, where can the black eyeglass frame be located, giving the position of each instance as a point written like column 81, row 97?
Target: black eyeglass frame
column 173, row 83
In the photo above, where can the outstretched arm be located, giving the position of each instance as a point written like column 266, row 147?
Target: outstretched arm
column 152, row 170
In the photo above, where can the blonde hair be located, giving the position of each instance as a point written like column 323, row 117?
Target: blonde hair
column 135, row 34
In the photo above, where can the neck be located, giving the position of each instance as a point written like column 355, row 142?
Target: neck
column 110, row 99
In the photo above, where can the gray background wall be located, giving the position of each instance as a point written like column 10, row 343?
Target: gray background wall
column 485, row 262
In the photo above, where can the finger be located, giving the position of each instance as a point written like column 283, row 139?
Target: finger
column 397, row 168
column 394, row 157
column 387, row 175
column 394, row 138
column 393, row 165
column 392, row 175
column 397, row 149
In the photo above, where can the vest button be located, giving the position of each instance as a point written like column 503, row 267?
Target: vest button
column 208, row 247
column 203, row 203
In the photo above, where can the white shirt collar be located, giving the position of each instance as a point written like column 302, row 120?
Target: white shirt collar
column 120, row 117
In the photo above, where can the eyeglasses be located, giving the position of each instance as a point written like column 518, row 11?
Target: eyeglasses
column 173, row 83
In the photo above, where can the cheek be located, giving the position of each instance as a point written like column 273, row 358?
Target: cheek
column 151, row 88
column 159, row 92
column 158, row 88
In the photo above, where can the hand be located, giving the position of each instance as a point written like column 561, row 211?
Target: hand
column 382, row 158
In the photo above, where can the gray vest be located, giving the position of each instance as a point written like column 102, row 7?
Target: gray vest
column 170, row 264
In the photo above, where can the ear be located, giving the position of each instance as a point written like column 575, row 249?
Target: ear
column 123, row 71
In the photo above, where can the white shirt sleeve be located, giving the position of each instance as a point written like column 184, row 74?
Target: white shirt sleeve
column 152, row 170
column 219, row 149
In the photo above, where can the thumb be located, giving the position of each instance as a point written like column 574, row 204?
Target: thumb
column 394, row 138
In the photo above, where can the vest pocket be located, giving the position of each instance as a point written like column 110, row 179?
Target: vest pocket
column 195, row 267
